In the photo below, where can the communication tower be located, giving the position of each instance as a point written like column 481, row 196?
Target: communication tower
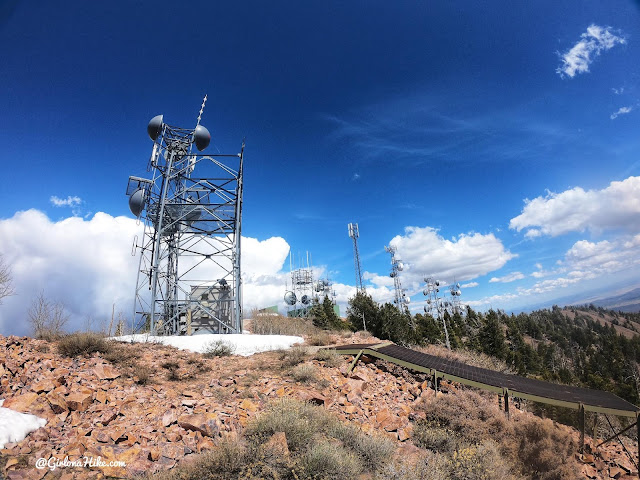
column 354, row 234
column 455, row 293
column 436, row 306
column 401, row 300
column 189, row 272
column 302, row 289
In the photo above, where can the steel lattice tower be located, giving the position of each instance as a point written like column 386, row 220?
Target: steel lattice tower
column 435, row 305
column 400, row 297
column 189, row 272
column 354, row 234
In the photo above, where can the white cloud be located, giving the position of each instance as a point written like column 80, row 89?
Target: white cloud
column 592, row 43
column 614, row 207
column 424, row 252
column 621, row 111
column 87, row 265
column 511, row 277
column 618, row 91
column 356, row 176
column 65, row 202
column 470, row 285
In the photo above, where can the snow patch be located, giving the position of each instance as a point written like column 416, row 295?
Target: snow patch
column 245, row 345
column 15, row 426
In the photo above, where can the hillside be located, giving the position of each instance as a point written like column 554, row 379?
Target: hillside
column 159, row 409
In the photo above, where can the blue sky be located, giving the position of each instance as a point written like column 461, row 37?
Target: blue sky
column 430, row 124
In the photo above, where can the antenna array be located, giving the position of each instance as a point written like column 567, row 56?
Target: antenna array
column 301, row 294
column 189, row 272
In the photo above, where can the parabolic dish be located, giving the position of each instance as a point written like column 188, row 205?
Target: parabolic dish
column 290, row 298
column 202, row 137
column 155, row 127
column 136, row 202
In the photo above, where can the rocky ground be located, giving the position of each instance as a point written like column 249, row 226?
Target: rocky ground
column 157, row 405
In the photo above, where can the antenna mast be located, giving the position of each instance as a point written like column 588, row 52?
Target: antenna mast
column 354, row 234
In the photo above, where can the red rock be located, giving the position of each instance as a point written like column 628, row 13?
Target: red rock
column 312, row 396
column 79, row 401
column 248, row 405
column 57, row 403
column 101, row 396
column 105, row 372
column 108, row 416
column 45, row 385
column 277, row 444
column 169, row 418
column 21, row 403
column 205, row 423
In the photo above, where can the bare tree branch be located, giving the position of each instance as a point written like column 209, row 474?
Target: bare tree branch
column 6, row 284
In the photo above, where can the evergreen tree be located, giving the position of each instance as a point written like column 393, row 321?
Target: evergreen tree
column 362, row 303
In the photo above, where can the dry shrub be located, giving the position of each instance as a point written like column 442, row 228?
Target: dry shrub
column 304, row 373
column 479, row 462
column 227, row 460
column 434, row 437
column 536, row 447
column 83, row 344
column 320, row 338
column 329, row 356
column 280, row 325
column 475, row 359
column 299, row 421
column 545, row 451
column 141, row 374
column 467, row 414
column 430, row 466
column 329, row 461
column 374, row 450
column 319, row 449
column 293, row 356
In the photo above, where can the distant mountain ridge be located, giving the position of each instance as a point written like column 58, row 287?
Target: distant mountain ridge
column 626, row 302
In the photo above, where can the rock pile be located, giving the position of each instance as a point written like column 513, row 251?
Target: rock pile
column 96, row 409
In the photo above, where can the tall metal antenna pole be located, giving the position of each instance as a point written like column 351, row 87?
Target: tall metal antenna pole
column 354, row 233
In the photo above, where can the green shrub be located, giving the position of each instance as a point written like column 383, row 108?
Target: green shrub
column 219, row 348
column 83, row 344
column 299, row 421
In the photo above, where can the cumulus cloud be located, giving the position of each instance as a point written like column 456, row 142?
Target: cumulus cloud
column 468, row 256
column 576, row 210
column 65, row 202
column 470, row 285
column 511, row 277
column 87, row 265
column 592, row 43
column 621, row 111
